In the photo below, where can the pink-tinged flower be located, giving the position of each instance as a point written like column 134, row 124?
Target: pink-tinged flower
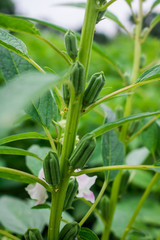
column 37, row 191
column 85, row 183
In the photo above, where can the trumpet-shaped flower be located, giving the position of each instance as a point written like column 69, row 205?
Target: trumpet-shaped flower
column 39, row 193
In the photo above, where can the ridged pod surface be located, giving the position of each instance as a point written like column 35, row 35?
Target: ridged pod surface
column 51, row 168
column 66, row 94
column 70, row 194
column 33, row 234
column 69, row 231
column 77, row 77
column 105, row 207
column 83, row 151
column 71, row 44
column 93, row 89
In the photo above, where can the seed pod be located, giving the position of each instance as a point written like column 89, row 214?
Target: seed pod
column 93, row 89
column 51, row 168
column 69, row 231
column 77, row 77
column 124, row 182
column 66, row 94
column 100, row 15
column 33, row 234
column 70, row 194
column 71, row 44
column 105, row 207
column 142, row 60
column 83, row 151
column 119, row 112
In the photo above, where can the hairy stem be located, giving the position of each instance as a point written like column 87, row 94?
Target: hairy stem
column 73, row 117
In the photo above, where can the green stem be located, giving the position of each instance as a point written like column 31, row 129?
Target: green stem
column 35, row 64
column 94, row 204
column 113, row 202
column 143, row 128
column 8, row 235
column 117, row 167
column 113, row 94
column 136, row 68
column 50, row 139
column 140, row 204
column 106, row 5
column 73, row 117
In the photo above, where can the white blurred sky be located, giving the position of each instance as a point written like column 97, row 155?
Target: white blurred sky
column 71, row 17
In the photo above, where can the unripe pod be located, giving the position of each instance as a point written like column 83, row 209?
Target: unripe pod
column 124, row 182
column 83, row 151
column 77, row 77
column 93, row 89
column 105, row 207
column 71, row 44
column 100, row 15
column 70, row 194
column 33, row 234
column 66, row 94
column 69, row 231
column 142, row 60
column 51, row 168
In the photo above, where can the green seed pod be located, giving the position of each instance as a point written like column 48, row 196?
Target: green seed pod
column 33, row 234
column 77, row 77
column 100, row 15
column 70, row 194
column 124, row 182
column 93, row 89
column 66, row 94
column 144, row 31
column 105, row 207
column 119, row 112
column 69, row 231
column 142, row 60
column 71, row 44
column 133, row 127
column 127, row 78
column 83, row 151
column 51, row 168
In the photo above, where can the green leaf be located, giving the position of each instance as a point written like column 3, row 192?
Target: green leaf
column 155, row 4
column 151, row 73
column 17, row 93
column 17, row 215
column 137, row 156
column 155, row 21
column 150, row 136
column 87, row 234
column 35, row 165
column 43, row 109
column 16, row 175
column 100, row 50
column 112, row 149
column 22, row 136
column 111, row 125
column 114, row 18
column 18, row 25
column 12, row 64
column 12, row 43
column 129, row 2
column 17, row 151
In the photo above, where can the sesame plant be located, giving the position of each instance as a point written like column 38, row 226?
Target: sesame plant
column 60, row 171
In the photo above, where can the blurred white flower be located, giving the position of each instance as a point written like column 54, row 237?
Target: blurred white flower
column 62, row 123
column 85, row 183
column 37, row 191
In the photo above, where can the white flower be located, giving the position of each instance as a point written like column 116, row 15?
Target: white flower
column 85, row 183
column 62, row 123
column 37, row 191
